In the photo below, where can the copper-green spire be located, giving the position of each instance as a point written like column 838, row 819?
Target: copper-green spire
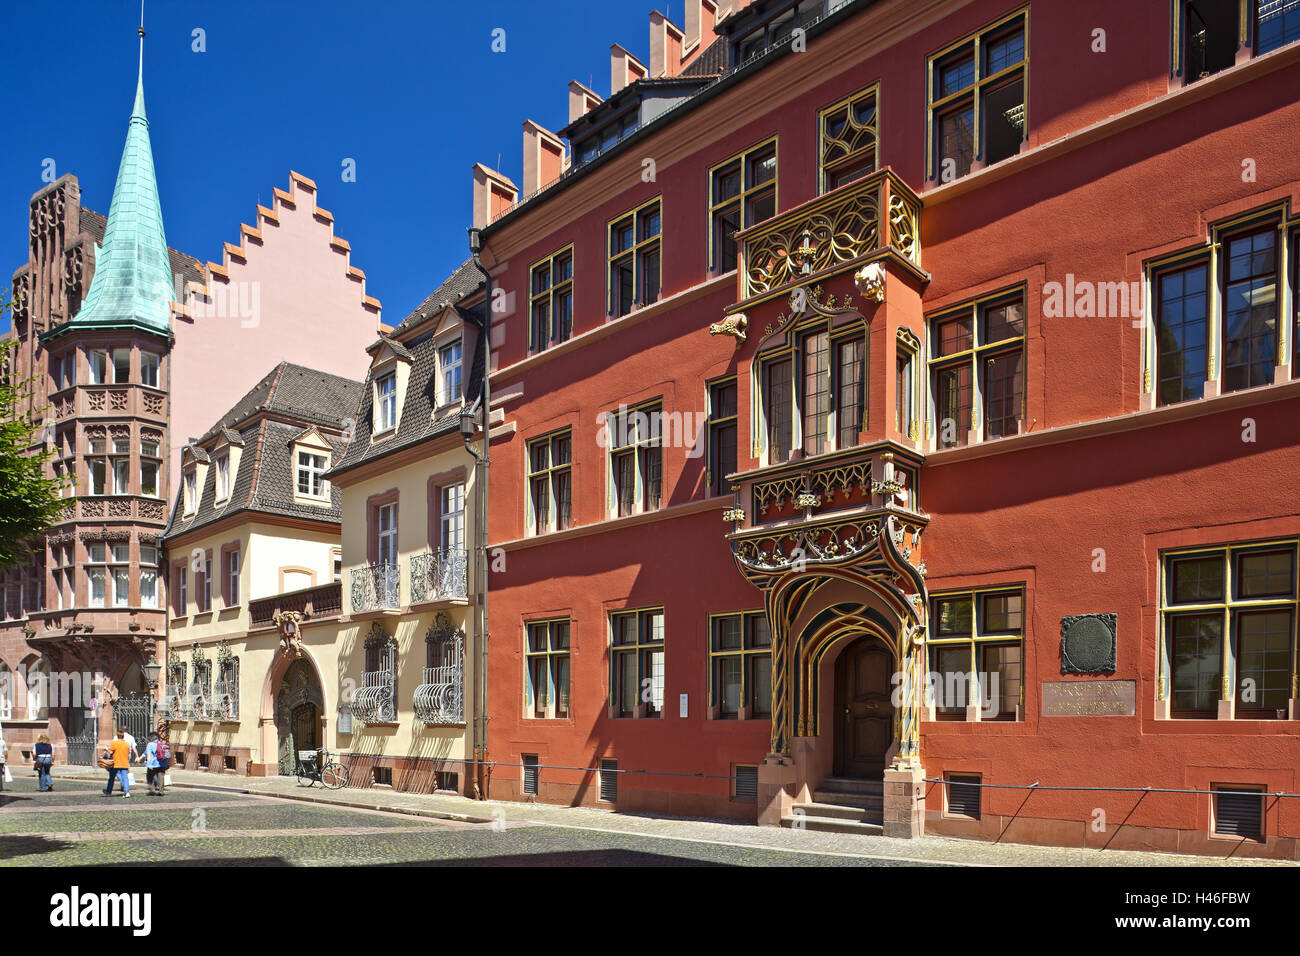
column 132, row 282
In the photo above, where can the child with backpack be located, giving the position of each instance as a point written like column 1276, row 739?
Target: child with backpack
column 158, row 758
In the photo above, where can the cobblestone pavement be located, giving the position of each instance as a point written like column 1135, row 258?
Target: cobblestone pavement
column 273, row 821
column 200, row 827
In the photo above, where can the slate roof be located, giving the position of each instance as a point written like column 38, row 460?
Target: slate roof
column 715, row 59
column 298, row 392
column 415, row 422
column 264, row 480
column 465, row 280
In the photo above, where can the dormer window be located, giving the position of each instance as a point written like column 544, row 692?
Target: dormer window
column 191, row 492
column 386, row 402
column 223, row 477
column 449, row 368
column 607, row 136
column 311, row 475
column 778, row 29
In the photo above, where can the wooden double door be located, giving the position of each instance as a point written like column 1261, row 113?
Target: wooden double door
column 864, row 711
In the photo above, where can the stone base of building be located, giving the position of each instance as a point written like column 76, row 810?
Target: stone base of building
column 904, row 803
column 630, row 800
column 408, row 774
column 231, row 760
column 1074, row 833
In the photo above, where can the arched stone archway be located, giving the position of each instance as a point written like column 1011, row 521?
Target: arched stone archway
column 293, row 715
column 828, row 584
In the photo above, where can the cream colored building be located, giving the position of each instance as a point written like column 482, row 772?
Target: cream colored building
column 407, row 649
column 253, row 544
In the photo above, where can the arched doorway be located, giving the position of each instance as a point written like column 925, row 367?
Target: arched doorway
column 864, row 714
column 298, row 707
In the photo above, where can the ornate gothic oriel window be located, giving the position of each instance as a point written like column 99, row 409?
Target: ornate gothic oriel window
column 817, row 383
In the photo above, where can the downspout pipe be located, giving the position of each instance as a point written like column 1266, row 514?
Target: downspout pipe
column 481, row 522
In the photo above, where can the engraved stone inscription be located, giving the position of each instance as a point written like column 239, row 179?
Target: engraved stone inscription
column 1089, row 698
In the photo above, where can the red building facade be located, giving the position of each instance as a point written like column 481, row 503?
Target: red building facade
column 899, row 407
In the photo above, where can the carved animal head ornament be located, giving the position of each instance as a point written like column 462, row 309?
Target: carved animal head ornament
column 733, row 325
column 870, row 280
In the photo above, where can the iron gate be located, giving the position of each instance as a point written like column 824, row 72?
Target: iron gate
column 134, row 714
column 83, row 738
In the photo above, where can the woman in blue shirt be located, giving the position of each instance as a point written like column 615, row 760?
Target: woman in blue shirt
column 43, row 757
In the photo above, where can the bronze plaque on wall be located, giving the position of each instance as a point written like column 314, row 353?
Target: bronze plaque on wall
column 1089, row 698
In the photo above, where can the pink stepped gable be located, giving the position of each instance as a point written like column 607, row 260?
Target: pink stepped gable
column 287, row 291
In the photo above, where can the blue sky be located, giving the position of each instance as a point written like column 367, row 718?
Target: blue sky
column 410, row 89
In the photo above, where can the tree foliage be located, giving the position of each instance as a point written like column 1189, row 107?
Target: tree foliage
column 29, row 499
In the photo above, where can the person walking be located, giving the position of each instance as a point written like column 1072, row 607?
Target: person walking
column 43, row 758
column 153, row 765
column 4, row 753
column 119, row 753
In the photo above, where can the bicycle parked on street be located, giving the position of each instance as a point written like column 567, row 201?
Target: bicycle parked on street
column 315, row 766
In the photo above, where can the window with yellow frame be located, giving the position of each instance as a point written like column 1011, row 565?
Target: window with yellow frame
column 849, row 134
column 977, row 634
column 742, row 192
column 635, row 258
column 813, row 392
column 1209, row 35
column 977, row 369
column 1229, row 620
column 740, row 666
column 977, row 101
column 550, row 300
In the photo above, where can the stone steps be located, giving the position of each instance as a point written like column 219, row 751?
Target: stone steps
column 861, row 801
column 829, row 824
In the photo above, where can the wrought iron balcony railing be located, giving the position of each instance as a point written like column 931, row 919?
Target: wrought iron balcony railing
column 838, row 228
column 194, row 705
column 375, row 587
column 439, row 575
column 440, row 698
column 224, row 703
column 376, row 701
column 170, row 707
column 320, row 600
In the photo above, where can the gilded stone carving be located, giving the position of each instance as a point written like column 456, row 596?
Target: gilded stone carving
column 733, row 325
column 870, row 281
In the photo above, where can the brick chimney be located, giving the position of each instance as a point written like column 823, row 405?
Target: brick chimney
column 493, row 195
column 665, row 46
column 543, row 157
column 700, row 17
column 581, row 100
column 624, row 69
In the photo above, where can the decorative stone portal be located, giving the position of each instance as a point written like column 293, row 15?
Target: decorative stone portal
column 299, row 704
column 847, row 609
